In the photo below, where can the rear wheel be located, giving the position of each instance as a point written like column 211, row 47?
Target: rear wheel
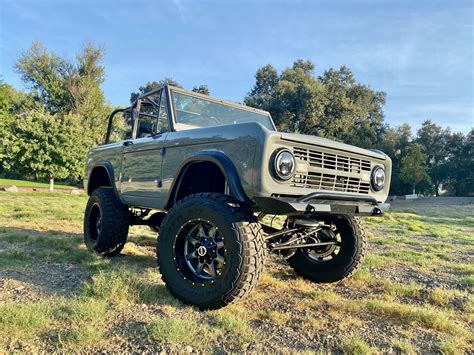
column 210, row 251
column 106, row 222
column 338, row 260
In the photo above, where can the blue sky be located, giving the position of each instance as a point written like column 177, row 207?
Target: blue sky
column 419, row 52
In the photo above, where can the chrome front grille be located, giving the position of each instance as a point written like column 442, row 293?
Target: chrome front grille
column 331, row 171
column 325, row 160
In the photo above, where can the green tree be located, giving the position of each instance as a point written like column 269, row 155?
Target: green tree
column 152, row 85
column 68, row 86
column 458, row 164
column 11, row 101
column 395, row 144
column 201, row 89
column 432, row 139
column 294, row 98
column 45, row 145
column 263, row 92
column 61, row 118
column 468, row 153
column 333, row 105
column 45, row 74
column 6, row 99
column 354, row 112
column 413, row 166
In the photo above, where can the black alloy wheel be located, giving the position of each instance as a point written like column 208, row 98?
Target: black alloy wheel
column 210, row 250
column 200, row 251
column 337, row 260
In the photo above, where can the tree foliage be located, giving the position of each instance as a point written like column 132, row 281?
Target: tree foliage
column 333, row 105
column 152, row 85
column 48, row 130
column 457, row 169
column 63, row 85
column 432, row 138
column 413, row 168
column 395, row 144
column 44, row 145
column 201, row 89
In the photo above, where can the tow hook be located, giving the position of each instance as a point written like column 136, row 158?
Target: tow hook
column 377, row 212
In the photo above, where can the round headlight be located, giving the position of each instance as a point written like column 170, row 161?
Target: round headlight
column 378, row 178
column 284, row 164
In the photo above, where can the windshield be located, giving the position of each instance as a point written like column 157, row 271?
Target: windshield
column 194, row 112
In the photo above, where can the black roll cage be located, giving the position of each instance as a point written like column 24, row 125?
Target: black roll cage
column 134, row 110
column 166, row 89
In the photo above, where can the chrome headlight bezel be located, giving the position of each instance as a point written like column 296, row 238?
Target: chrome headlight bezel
column 378, row 173
column 279, row 155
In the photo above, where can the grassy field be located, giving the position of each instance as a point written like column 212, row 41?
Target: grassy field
column 27, row 183
column 413, row 293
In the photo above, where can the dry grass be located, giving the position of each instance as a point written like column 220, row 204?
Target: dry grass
column 390, row 303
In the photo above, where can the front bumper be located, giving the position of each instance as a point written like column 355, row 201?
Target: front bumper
column 322, row 203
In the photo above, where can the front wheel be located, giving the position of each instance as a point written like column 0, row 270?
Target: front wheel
column 337, row 261
column 210, row 251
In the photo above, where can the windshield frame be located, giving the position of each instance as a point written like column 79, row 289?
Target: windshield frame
column 172, row 89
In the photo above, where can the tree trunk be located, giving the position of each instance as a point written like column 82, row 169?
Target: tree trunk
column 414, row 189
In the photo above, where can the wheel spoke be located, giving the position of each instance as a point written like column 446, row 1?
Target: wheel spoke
column 200, row 267
column 191, row 255
column 212, row 232
column 212, row 269
column 202, row 250
column 220, row 259
column 201, row 231
column 192, row 240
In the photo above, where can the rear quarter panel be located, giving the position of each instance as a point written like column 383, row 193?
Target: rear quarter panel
column 97, row 156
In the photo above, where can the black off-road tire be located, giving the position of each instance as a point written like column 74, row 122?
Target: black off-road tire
column 244, row 250
column 345, row 263
column 114, row 222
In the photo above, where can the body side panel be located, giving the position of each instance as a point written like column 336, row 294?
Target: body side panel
column 238, row 142
column 141, row 169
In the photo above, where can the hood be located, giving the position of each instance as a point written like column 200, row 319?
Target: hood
column 327, row 143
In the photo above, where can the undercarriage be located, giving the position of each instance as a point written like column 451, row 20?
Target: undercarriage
column 309, row 232
column 302, row 233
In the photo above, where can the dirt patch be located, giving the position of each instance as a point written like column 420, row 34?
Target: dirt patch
column 40, row 281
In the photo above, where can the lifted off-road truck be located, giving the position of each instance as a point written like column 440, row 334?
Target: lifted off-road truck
column 203, row 173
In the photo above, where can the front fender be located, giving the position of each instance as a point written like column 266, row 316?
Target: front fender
column 225, row 164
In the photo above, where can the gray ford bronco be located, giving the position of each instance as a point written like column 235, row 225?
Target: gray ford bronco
column 204, row 173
